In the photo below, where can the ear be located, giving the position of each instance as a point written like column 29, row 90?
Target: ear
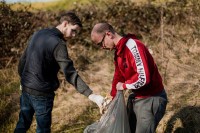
column 108, row 33
column 65, row 23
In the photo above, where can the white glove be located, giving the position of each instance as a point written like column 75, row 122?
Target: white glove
column 98, row 99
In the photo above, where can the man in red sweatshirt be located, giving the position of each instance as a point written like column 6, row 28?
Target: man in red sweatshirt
column 135, row 70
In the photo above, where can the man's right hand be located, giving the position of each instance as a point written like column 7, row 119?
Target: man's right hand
column 106, row 103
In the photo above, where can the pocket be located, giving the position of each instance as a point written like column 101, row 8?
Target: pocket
column 39, row 104
column 162, row 103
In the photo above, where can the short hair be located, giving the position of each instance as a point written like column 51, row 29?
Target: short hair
column 105, row 27
column 71, row 17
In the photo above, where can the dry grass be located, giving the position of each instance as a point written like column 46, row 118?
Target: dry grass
column 73, row 112
column 68, row 5
column 179, row 68
column 9, row 93
column 176, row 51
column 52, row 5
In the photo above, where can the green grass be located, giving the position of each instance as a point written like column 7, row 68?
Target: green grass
column 53, row 5
column 81, row 122
column 9, row 85
column 71, row 4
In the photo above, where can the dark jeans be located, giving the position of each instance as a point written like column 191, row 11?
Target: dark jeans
column 41, row 106
column 145, row 114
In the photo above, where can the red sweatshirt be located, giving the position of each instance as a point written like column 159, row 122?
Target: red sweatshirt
column 135, row 67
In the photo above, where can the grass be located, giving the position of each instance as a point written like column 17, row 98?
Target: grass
column 9, row 81
column 52, row 5
column 9, row 89
column 71, row 4
column 179, row 67
column 79, row 124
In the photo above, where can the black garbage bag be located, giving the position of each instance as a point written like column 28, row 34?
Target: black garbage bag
column 115, row 119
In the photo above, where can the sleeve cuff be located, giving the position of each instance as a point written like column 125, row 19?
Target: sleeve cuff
column 124, row 86
column 87, row 92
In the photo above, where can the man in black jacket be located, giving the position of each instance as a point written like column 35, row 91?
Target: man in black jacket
column 45, row 54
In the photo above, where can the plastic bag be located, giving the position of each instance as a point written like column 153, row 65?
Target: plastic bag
column 115, row 120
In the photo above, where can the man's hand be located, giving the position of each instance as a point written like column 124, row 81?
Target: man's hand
column 98, row 99
column 106, row 103
column 119, row 86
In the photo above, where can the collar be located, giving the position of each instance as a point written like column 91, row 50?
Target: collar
column 122, row 42
column 57, row 32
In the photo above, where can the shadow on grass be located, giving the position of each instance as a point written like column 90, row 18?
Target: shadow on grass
column 89, row 116
column 190, row 121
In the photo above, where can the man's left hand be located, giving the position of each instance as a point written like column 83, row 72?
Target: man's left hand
column 119, row 86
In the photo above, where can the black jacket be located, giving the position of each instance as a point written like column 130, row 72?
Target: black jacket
column 45, row 54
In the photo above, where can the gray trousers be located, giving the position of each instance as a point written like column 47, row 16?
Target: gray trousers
column 145, row 113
